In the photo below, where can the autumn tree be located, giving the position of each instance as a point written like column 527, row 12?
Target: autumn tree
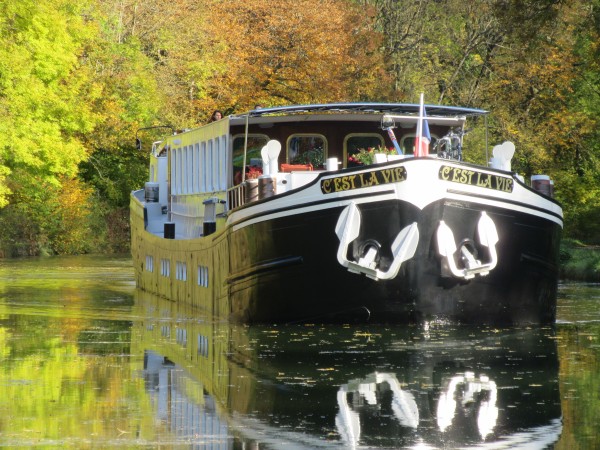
column 532, row 63
column 43, row 116
column 287, row 52
column 130, row 98
column 576, row 149
column 127, row 69
column 144, row 60
column 546, row 104
column 164, row 59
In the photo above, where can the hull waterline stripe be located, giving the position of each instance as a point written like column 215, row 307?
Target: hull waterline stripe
column 265, row 267
column 539, row 261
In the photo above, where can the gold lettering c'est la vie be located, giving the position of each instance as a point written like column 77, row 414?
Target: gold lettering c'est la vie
column 470, row 177
column 363, row 180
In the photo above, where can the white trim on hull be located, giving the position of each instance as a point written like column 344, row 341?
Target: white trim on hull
column 417, row 189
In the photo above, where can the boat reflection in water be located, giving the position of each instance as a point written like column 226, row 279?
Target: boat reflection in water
column 220, row 385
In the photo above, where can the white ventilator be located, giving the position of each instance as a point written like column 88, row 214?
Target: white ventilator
column 503, row 155
column 270, row 154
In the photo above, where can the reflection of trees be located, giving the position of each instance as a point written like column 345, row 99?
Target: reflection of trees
column 4, row 337
column 55, row 387
column 579, row 376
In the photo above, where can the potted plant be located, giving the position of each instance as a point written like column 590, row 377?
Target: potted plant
column 364, row 157
column 251, row 183
column 253, row 173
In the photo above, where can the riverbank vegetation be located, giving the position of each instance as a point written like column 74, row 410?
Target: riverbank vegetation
column 579, row 261
column 80, row 80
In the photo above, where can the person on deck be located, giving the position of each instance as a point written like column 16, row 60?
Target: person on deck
column 216, row 115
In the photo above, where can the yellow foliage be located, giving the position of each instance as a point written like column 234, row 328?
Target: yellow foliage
column 73, row 209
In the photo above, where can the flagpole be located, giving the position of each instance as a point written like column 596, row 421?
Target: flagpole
column 419, row 129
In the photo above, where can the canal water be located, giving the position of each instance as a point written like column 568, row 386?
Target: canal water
column 88, row 361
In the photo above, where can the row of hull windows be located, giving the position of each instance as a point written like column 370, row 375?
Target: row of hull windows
column 181, row 274
column 180, row 270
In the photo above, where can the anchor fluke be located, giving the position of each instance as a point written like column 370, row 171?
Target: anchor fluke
column 488, row 237
column 403, row 247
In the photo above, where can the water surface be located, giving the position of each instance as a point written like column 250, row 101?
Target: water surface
column 86, row 360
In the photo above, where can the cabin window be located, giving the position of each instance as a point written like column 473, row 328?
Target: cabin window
column 180, row 178
column 354, row 142
column 223, row 163
column 173, row 187
column 149, row 263
column 183, row 173
column 176, row 171
column 204, row 167
column 174, row 178
column 219, row 158
column 307, row 149
column 196, row 168
column 253, row 156
column 165, row 267
column 209, row 163
column 203, row 276
column 189, row 169
column 181, row 271
column 216, row 165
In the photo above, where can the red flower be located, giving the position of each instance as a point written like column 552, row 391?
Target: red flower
column 253, row 172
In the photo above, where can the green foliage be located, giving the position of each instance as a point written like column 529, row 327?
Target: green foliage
column 579, row 261
column 44, row 218
column 42, row 87
column 44, row 117
column 366, row 156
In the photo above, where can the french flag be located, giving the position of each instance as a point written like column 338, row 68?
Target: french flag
column 423, row 138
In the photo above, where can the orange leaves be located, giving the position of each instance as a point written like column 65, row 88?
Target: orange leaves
column 287, row 51
column 72, row 209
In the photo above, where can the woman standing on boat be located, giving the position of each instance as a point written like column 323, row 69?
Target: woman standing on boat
column 216, row 115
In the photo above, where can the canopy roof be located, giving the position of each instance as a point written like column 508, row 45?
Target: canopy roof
column 374, row 108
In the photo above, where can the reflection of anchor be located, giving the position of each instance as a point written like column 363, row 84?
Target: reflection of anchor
column 370, row 389
column 488, row 237
column 348, row 229
column 467, row 387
